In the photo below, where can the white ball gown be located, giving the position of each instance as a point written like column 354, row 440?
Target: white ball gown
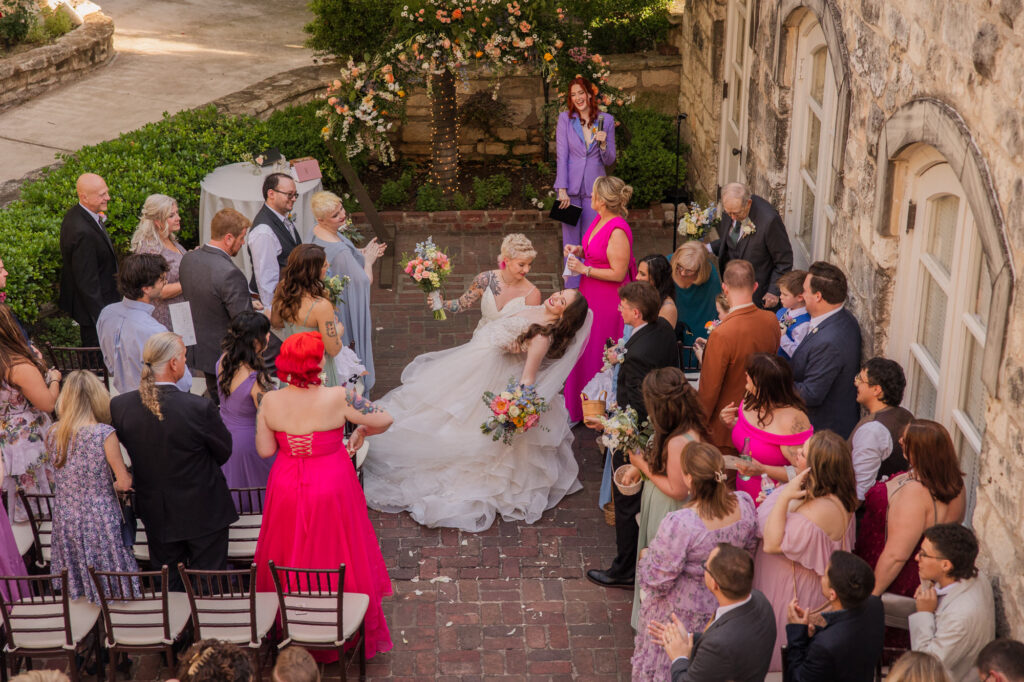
column 435, row 462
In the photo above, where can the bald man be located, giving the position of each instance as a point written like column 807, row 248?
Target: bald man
column 89, row 265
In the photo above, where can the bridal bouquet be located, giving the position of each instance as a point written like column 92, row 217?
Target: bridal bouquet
column 696, row 222
column 622, row 430
column 429, row 268
column 515, row 410
column 333, row 286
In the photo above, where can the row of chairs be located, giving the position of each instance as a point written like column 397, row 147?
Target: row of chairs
column 137, row 614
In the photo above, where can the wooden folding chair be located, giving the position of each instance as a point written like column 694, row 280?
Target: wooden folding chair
column 317, row 613
column 243, row 533
column 39, row 507
column 69, row 358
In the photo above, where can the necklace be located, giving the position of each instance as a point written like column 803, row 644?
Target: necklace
column 501, row 277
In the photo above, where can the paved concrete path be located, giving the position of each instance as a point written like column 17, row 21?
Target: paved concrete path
column 171, row 55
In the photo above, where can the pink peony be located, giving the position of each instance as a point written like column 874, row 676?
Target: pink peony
column 500, row 406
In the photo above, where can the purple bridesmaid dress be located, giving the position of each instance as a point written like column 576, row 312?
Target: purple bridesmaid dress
column 245, row 468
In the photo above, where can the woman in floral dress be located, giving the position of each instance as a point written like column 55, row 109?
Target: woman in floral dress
column 28, row 392
column 86, row 514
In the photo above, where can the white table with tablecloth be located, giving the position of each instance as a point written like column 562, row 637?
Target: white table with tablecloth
column 238, row 186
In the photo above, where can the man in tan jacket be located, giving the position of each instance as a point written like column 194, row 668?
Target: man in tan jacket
column 744, row 331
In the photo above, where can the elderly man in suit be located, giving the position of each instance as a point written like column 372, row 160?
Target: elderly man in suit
column 744, row 331
column 737, row 643
column 215, row 289
column 752, row 230
column 89, row 264
column 955, row 615
column 828, row 359
column 651, row 346
column 177, row 444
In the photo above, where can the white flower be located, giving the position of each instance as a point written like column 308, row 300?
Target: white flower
column 747, row 227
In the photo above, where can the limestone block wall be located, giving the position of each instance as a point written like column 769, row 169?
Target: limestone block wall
column 653, row 78
column 30, row 73
column 968, row 56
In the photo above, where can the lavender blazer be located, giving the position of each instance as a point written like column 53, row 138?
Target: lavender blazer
column 579, row 166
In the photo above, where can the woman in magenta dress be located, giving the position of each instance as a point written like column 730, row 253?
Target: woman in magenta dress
column 771, row 415
column 315, row 513
column 604, row 261
column 585, row 140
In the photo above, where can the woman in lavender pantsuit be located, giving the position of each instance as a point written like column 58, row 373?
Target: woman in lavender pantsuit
column 585, row 139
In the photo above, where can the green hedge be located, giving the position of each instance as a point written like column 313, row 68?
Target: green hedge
column 646, row 153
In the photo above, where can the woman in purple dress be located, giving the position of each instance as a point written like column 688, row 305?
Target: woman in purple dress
column 159, row 224
column 90, row 471
column 670, row 574
column 585, row 139
column 605, row 261
column 242, row 379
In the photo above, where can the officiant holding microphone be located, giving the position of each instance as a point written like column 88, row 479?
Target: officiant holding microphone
column 585, row 141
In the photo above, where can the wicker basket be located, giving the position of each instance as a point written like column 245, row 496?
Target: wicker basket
column 609, row 512
column 594, row 408
column 626, row 489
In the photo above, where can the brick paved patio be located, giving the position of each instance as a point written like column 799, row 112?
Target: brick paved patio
column 511, row 603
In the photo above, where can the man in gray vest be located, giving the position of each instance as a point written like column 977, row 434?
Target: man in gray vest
column 272, row 237
column 875, row 440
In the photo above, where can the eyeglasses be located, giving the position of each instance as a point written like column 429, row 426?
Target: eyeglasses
column 926, row 555
column 683, row 272
column 290, row 195
column 704, row 565
column 857, row 380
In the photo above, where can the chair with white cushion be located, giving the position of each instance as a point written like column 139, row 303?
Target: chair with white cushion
column 317, row 613
column 42, row 622
column 147, row 619
column 226, row 606
column 39, row 507
column 243, row 533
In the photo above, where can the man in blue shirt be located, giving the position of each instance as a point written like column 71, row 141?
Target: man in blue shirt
column 125, row 327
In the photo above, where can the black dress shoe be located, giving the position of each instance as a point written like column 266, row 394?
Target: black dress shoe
column 606, row 579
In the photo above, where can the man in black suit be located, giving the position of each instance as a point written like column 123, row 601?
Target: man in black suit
column 752, row 230
column 651, row 346
column 737, row 643
column 215, row 289
column 844, row 643
column 87, row 255
column 177, row 444
column 828, row 359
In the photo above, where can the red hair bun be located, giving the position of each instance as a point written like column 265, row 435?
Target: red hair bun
column 300, row 360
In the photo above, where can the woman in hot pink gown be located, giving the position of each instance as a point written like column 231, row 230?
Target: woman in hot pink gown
column 315, row 513
column 605, row 262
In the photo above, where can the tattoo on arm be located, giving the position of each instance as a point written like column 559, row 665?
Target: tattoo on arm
column 331, row 330
column 360, row 403
column 475, row 291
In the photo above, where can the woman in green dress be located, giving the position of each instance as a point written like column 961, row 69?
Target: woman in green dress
column 677, row 419
column 301, row 305
column 697, row 283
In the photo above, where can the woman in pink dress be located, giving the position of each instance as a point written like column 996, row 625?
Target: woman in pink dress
column 315, row 513
column 771, row 419
column 605, row 261
column 801, row 524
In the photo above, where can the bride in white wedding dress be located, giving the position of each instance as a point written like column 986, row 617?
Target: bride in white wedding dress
column 436, row 463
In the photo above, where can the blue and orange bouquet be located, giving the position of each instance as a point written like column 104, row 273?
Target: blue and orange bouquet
column 429, row 269
column 517, row 409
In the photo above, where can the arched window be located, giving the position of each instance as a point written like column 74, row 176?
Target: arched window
column 942, row 304
column 808, row 213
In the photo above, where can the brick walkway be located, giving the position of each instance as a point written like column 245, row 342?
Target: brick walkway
column 511, row 603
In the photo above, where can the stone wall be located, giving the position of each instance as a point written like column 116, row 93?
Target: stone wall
column 652, row 78
column 700, row 38
column 965, row 58
column 27, row 74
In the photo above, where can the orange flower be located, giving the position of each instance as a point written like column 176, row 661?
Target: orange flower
column 456, row 13
column 479, row 54
column 548, row 57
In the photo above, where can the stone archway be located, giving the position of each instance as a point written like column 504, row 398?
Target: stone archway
column 935, row 123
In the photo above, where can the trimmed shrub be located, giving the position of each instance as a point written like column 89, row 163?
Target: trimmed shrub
column 490, row 192
column 646, row 153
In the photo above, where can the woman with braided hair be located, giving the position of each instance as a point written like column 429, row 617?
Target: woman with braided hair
column 670, row 574
column 211, row 660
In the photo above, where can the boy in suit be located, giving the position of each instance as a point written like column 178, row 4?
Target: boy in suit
column 737, row 643
column 652, row 346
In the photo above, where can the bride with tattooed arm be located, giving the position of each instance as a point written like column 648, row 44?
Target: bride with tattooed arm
column 505, row 284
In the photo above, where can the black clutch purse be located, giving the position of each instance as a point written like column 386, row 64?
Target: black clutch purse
column 129, row 524
column 570, row 215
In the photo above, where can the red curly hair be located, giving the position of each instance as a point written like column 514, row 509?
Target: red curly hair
column 300, row 360
column 591, row 91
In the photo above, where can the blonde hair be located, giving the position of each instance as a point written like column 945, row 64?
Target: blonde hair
column 83, row 399
column 41, row 676
column 918, row 666
column 149, row 235
column 614, row 193
column 324, row 203
column 516, row 245
column 693, row 255
column 158, row 351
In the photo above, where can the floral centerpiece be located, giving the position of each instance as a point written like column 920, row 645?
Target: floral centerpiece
column 698, row 221
column 334, row 286
column 429, row 268
column 517, row 409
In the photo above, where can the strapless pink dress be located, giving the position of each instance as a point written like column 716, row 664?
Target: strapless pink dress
column 315, row 517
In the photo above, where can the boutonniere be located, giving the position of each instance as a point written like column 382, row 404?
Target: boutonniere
column 747, row 227
column 710, row 325
column 291, row 216
column 786, row 322
column 102, row 216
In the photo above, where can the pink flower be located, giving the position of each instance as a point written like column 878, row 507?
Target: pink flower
column 531, row 421
column 408, row 269
column 499, row 405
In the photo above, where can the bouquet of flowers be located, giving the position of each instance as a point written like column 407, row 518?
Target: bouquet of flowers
column 616, row 349
column 429, row 268
column 333, row 286
column 622, row 430
column 696, row 222
column 517, row 409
